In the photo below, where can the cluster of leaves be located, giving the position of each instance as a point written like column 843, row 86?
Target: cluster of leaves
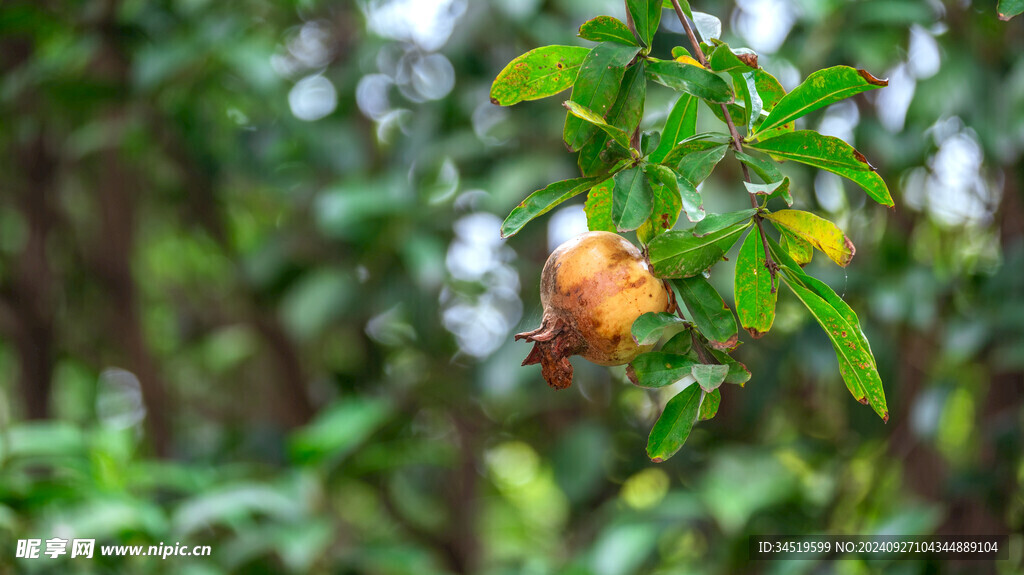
column 644, row 181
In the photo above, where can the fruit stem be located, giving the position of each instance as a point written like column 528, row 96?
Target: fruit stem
column 737, row 142
column 553, row 342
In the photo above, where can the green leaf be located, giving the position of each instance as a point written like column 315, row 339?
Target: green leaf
column 724, row 59
column 339, row 429
column 798, row 248
column 765, row 169
column 709, row 405
column 753, row 287
column 762, row 189
column 538, row 74
column 588, row 115
column 737, row 112
column 679, row 51
column 658, row 369
column 679, row 254
column 710, row 313
column 596, row 86
column 709, row 27
column 775, row 184
column 632, row 199
column 649, row 141
column 738, row 373
column 684, row 4
column 820, row 89
column 710, row 376
column 856, row 363
column 766, row 189
column 598, row 207
column 820, row 232
column 696, row 166
column 770, row 89
column 540, row 202
column 649, row 327
column 607, row 29
column 681, row 124
column 667, row 203
column 591, row 161
column 828, row 153
column 689, row 146
column 673, row 427
column 628, row 109
column 1009, row 8
column 745, row 85
column 690, row 79
column 715, row 222
column 646, row 17
column 690, row 198
column 693, row 203
column 680, row 344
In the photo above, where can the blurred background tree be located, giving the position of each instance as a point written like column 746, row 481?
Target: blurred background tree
column 252, row 296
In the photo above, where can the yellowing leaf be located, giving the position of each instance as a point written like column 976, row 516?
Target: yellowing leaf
column 820, row 232
column 688, row 60
column 537, row 74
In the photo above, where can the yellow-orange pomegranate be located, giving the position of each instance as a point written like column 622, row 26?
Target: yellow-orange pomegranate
column 592, row 287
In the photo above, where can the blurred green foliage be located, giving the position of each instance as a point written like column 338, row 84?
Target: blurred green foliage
column 252, row 296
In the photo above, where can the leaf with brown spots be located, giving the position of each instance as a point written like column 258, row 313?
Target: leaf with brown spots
column 856, row 363
column 820, row 89
column 598, row 207
column 1009, row 8
column 828, row 153
column 607, row 29
column 798, row 248
column 539, row 73
column 667, row 203
column 754, row 289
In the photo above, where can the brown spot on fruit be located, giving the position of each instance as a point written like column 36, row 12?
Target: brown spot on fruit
column 495, row 101
column 592, row 287
column 871, row 79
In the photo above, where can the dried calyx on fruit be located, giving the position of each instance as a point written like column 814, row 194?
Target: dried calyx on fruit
column 592, row 288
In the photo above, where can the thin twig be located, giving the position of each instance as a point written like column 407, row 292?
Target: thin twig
column 634, row 139
column 737, row 142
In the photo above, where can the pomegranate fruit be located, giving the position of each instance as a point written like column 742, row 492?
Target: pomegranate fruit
column 592, row 288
